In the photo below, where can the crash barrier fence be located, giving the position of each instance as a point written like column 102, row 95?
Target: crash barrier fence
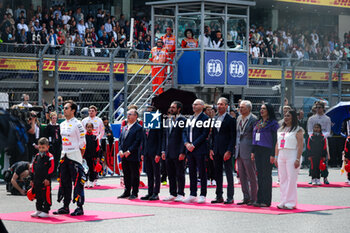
column 86, row 80
column 44, row 72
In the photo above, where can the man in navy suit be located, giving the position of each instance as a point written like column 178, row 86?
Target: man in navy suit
column 221, row 150
column 195, row 138
column 150, row 154
column 129, row 148
column 173, row 151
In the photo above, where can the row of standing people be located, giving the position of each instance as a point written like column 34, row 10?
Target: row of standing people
column 255, row 143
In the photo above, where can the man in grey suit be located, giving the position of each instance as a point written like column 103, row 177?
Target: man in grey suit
column 246, row 166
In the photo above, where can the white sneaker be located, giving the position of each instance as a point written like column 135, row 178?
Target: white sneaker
column 201, row 199
column 318, row 182
column 35, row 214
column 208, row 183
column 213, row 183
column 190, row 199
column 170, row 198
column 86, row 184
column 179, row 198
column 96, row 183
column 238, row 181
column 43, row 215
column 313, row 182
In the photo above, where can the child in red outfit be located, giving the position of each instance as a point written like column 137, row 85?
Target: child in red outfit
column 42, row 169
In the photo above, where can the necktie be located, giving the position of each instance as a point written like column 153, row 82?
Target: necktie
column 126, row 131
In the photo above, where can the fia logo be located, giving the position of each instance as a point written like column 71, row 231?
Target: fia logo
column 237, row 69
column 214, row 67
column 152, row 120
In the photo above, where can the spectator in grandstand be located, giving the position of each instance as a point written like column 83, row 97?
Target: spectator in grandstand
column 141, row 45
column 89, row 45
column 22, row 25
column 65, row 17
column 52, row 40
column 61, row 39
column 37, row 26
column 33, row 36
column 22, row 38
column 81, row 29
column 108, row 26
column 101, row 31
column 5, row 23
column 78, row 15
column 121, row 20
column 113, row 43
column 255, row 54
column 57, row 21
column 189, row 41
column 8, row 10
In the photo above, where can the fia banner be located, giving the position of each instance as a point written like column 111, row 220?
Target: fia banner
column 214, row 72
column 237, row 69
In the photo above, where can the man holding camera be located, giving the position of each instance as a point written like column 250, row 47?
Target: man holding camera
column 17, row 178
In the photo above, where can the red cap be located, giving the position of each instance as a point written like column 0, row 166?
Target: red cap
column 98, row 167
column 347, row 168
column 322, row 166
column 30, row 194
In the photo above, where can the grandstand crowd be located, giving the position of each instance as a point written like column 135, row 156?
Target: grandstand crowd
column 76, row 29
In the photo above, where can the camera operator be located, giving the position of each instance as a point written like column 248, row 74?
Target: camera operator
column 17, row 178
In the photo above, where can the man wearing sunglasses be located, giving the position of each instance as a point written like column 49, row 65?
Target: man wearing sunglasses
column 70, row 168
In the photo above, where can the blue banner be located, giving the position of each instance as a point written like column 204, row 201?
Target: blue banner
column 237, row 69
column 189, row 68
column 214, row 63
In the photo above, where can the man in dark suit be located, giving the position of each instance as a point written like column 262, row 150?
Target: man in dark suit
column 173, row 151
column 222, row 147
column 195, row 136
column 129, row 148
column 150, row 154
column 246, row 166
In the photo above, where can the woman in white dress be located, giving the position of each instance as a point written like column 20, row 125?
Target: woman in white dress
column 289, row 148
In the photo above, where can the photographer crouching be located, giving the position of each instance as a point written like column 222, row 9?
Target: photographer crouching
column 17, row 178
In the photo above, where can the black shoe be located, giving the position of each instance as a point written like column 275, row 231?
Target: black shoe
column 132, row 197
column 154, row 197
column 124, row 195
column 147, row 197
column 250, row 203
column 244, row 202
column 217, row 200
column 78, row 211
column 228, row 201
column 261, row 205
column 63, row 210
